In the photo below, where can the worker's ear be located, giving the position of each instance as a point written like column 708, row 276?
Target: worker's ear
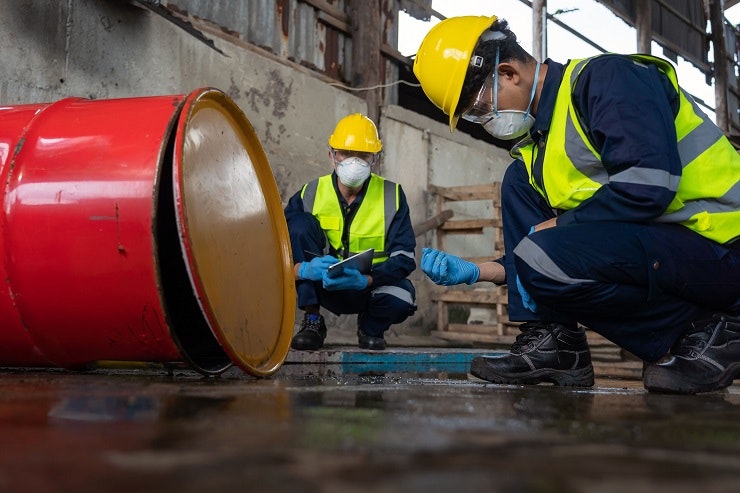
column 509, row 72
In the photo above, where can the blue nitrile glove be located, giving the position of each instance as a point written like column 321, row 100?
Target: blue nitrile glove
column 314, row 270
column 527, row 300
column 446, row 270
column 349, row 279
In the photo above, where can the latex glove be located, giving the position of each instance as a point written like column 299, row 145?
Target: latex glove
column 446, row 270
column 527, row 300
column 349, row 279
column 315, row 269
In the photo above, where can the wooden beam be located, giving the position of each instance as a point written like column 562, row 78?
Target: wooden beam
column 468, row 226
column 487, row 297
column 329, row 9
column 366, row 60
column 433, row 222
column 643, row 20
column 466, row 192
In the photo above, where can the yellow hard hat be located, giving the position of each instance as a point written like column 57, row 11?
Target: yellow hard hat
column 356, row 133
column 443, row 59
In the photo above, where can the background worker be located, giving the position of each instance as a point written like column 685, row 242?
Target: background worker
column 343, row 213
column 621, row 211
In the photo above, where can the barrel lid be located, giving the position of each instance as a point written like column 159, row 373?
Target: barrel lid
column 233, row 232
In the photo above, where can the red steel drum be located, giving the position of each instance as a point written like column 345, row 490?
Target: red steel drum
column 141, row 229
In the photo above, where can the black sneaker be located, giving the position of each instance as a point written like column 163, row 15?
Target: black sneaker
column 312, row 333
column 543, row 352
column 366, row 341
column 705, row 358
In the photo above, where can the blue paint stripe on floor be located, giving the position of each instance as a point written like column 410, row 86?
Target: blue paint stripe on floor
column 400, row 362
column 398, row 358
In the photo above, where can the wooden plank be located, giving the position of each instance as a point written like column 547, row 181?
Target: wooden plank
column 466, row 192
column 469, row 296
column 333, row 22
column 484, row 329
column 433, row 222
column 395, row 55
column 467, row 225
column 503, row 340
column 326, row 7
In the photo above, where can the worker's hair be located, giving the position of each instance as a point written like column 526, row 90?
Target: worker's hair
column 498, row 35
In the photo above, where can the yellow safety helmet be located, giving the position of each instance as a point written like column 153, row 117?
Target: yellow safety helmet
column 356, row 133
column 443, row 59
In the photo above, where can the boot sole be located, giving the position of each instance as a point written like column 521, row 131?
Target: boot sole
column 582, row 377
column 656, row 379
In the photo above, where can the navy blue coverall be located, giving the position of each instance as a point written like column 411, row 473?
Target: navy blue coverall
column 607, row 264
column 391, row 299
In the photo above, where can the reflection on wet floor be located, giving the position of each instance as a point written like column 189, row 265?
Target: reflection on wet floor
column 363, row 431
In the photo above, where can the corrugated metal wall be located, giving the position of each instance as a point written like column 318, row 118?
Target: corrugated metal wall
column 316, row 34
column 291, row 29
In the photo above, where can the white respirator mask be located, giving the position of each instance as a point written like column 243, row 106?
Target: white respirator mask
column 353, row 171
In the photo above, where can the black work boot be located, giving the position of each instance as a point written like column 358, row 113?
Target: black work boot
column 312, row 333
column 705, row 358
column 543, row 352
column 366, row 341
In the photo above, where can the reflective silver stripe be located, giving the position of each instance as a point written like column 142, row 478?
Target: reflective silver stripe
column 648, row 176
column 309, row 195
column 729, row 202
column 389, row 199
column 581, row 156
column 538, row 260
column 396, row 292
column 577, row 71
column 404, row 253
column 699, row 139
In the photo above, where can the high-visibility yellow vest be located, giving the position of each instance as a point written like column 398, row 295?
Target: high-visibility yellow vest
column 371, row 221
column 708, row 194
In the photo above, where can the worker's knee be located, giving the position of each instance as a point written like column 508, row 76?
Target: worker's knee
column 393, row 303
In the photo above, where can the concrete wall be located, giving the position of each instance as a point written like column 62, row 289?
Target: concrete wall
column 103, row 49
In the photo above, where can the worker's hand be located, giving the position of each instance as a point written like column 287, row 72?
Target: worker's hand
column 446, row 269
column 550, row 223
column 349, row 279
column 315, row 269
column 527, row 300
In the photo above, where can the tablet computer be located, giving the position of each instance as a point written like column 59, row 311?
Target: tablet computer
column 362, row 261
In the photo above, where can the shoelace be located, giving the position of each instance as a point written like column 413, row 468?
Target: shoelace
column 698, row 337
column 313, row 325
column 531, row 332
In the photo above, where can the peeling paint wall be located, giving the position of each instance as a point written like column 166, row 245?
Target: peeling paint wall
column 102, row 49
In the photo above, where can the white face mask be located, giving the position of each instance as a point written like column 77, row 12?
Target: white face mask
column 353, row 172
column 509, row 124
column 505, row 124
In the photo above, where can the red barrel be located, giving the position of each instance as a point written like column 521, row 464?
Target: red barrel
column 141, row 229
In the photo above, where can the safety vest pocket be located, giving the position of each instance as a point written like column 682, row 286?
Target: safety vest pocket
column 330, row 223
column 365, row 242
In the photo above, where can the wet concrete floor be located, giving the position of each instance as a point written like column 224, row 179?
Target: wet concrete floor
column 326, row 427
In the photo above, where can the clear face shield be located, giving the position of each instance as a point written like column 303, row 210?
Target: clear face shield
column 503, row 124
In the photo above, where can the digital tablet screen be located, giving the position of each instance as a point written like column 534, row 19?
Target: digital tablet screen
column 362, row 261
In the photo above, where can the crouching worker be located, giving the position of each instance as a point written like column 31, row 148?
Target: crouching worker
column 338, row 215
column 621, row 210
